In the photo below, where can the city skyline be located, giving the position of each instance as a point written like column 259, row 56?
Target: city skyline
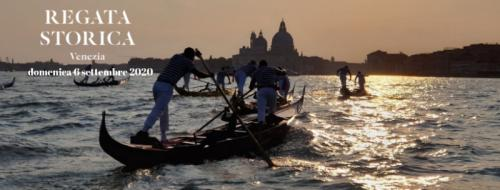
column 343, row 29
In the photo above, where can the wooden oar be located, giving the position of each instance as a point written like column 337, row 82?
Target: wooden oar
column 264, row 155
column 202, row 81
column 206, row 124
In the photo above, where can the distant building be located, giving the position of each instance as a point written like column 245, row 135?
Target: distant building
column 386, row 63
column 281, row 53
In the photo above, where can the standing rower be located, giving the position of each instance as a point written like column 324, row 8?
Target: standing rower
column 242, row 73
column 179, row 65
column 220, row 77
column 283, row 83
column 342, row 72
column 360, row 78
column 265, row 79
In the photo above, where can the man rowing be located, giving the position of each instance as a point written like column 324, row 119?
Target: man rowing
column 342, row 72
column 265, row 79
column 179, row 65
column 110, row 78
column 242, row 73
column 283, row 83
column 360, row 78
column 220, row 77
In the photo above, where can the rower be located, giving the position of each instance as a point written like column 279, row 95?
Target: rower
column 179, row 65
column 265, row 79
column 360, row 77
column 283, row 83
column 110, row 77
column 342, row 72
column 220, row 77
column 242, row 73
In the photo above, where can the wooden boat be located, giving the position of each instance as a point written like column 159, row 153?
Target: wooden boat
column 346, row 93
column 102, row 83
column 214, row 144
column 184, row 92
column 9, row 84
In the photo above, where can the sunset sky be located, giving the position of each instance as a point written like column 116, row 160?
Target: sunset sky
column 345, row 29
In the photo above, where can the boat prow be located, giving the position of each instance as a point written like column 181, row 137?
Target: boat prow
column 8, row 85
column 134, row 156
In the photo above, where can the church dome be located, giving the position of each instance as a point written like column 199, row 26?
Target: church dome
column 282, row 40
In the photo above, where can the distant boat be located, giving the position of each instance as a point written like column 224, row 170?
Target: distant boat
column 101, row 83
column 9, row 84
column 346, row 93
column 183, row 92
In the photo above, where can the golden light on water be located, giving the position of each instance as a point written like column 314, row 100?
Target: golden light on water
column 367, row 137
column 399, row 181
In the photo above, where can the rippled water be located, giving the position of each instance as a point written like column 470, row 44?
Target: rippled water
column 413, row 132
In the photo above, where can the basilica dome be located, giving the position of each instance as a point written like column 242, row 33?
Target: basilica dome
column 282, row 40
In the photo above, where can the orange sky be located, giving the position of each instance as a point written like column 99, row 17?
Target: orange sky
column 345, row 29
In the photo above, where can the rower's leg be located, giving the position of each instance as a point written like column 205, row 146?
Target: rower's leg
column 163, row 93
column 272, row 101
column 241, row 78
column 164, row 124
column 186, row 81
column 261, row 105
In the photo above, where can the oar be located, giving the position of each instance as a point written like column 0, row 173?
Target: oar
column 206, row 124
column 210, row 83
column 259, row 147
column 245, row 97
column 246, row 93
column 203, row 81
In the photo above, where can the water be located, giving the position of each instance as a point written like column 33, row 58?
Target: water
column 412, row 133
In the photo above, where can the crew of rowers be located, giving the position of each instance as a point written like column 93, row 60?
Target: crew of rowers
column 266, row 79
column 360, row 78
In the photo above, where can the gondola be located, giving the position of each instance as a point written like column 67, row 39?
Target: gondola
column 102, row 83
column 184, row 92
column 214, row 144
column 9, row 84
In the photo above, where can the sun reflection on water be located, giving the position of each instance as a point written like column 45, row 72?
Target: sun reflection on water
column 368, row 136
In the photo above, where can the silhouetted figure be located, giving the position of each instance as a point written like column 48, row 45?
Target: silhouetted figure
column 342, row 72
column 110, row 77
column 283, row 83
column 242, row 73
column 360, row 79
column 264, row 78
column 179, row 65
column 220, row 77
